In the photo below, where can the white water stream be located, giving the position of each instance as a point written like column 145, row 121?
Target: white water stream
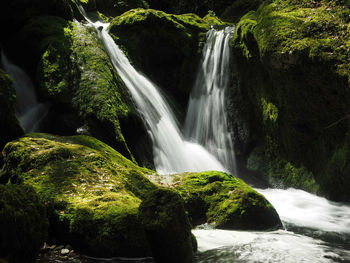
column 316, row 230
column 206, row 119
column 29, row 111
column 172, row 154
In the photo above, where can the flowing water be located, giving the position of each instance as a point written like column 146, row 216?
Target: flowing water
column 29, row 111
column 316, row 230
column 172, row 154
column 206, row 118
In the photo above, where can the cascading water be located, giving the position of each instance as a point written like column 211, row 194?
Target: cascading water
column 29, row 111
column 316, row 230
column 172, row 154
column 206, row 121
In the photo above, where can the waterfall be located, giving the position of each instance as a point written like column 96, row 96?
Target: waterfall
column 206, row 119
column 29, row 111
column 172, row 154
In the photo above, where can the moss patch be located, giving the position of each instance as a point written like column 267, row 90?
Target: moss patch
column 93, row 195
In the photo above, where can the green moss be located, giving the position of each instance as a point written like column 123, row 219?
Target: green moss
column 8, row 120
column 76, row 75
column 269, row 111
column 23, row 223
column 92, row 192
column 93, row 196
column 225, row 201
column 297, row 52
column 283, row 173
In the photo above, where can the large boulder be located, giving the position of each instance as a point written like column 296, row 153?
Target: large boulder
column 224, row 201
column 165, row 47
column 23, row 223
column 292, row 118
column 10, row 126
column 93, row 196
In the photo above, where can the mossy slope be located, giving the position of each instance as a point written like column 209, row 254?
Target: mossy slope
column 294, row 112
column 225, row 201
column 163, row 46
column 92, row 193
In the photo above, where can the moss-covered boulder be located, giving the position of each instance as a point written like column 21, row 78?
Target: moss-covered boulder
column 292, row 117
column 167, row 226
column 23, row 223
column 93, row 195
column 10, row 127
column 163, row 46
column 224, row 201
column 74, row 74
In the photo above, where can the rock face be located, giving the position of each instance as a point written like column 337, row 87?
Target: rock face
column 93, row 196
column 225, row 201
column 23, row 223
column 10, row 127
column 292, row 118
column 163, row 46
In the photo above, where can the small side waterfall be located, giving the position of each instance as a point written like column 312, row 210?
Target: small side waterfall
column 206, row 121
column 172, row 154
column 29, row 111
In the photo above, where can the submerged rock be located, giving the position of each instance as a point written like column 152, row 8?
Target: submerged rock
column 93, row 196
column 224, row 201
column 293, row 114
column 23, row 223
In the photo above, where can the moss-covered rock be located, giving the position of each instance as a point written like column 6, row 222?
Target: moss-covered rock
column 92, row 194
column 23, row 223
column 113, row 8
column 165, row 47
column 75, row 75
column 225, row 201
column 10, row 127
column 167, row 226
column 296, row 107
column 229, row 10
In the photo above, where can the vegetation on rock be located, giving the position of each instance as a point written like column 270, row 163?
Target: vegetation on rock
column 296, row 107
column 23, row 223
column 225, row 201
column 92, row 194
